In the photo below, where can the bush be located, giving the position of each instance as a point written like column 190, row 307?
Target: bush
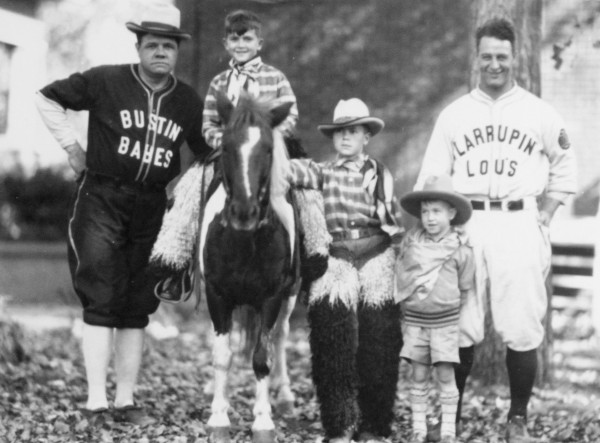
column 36, row 207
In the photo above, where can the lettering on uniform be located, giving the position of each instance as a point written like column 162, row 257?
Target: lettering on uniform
column 503, row 134
column 159, row 125
column 160, row 157
column 501, row 167
column 127, row 121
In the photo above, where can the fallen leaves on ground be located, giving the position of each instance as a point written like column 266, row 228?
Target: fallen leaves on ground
column 40, row 397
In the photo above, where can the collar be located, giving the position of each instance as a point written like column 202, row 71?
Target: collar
column 250, row 67
column 482, row 96
column 353, row 164
column 455, row 232
column 135, row 70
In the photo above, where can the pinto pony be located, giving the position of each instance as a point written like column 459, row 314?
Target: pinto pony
column 249, row 254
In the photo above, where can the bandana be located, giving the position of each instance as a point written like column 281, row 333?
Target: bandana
column 243, row 78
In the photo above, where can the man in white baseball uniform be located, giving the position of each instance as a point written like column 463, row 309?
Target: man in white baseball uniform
column 508, row 152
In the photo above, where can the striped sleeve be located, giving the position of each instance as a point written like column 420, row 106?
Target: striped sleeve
column 211, row 123
column 306, row 173
column 285, row 93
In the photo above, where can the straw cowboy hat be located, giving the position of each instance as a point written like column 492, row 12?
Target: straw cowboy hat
column 351, row 112
column 159, row 18
column 438, row 187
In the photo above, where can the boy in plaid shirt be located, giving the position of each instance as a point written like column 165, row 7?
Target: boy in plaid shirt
column 247, row 72
column 355, row 334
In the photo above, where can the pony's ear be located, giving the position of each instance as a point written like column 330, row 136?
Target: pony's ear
column 224, row 107
column 279, row 113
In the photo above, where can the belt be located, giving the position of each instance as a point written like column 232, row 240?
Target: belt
column 125, row 184
column 355, row 234
column 498, row 205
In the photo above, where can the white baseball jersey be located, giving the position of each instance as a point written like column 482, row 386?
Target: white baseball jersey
column 510, row 148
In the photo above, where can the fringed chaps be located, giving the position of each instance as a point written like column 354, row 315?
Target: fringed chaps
column 174, row 247
column 368, row 281
column 333, row 342
column 176, row 242
column 378, row 359
column 312, row 221
column 355, row 341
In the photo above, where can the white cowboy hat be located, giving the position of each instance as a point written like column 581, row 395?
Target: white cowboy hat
column 438, row 187
column 159, row 18
column 352, row 112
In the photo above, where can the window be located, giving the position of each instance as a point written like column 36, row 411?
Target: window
column 5, row 65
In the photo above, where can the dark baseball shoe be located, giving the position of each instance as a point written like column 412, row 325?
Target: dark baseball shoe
column 516, row 431
column 132, row 414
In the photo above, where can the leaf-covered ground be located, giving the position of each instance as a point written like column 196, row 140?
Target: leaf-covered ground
column 39, row 398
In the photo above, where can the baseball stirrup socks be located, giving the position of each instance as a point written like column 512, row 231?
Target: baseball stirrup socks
column 522, row 368
column 419, row 393
column 448, row 402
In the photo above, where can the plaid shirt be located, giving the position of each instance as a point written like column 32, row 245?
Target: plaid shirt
column 352, row 193
column 258, row 79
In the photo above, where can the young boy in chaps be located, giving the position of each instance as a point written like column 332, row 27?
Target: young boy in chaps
column 355, row 335
column 435, row 273
column 243, row 41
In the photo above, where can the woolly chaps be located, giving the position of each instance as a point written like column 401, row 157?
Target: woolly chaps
column 355, row 340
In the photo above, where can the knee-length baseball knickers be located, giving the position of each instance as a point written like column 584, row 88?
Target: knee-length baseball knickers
column 112, row 227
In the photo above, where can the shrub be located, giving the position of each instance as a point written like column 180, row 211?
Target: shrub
column 36, row 207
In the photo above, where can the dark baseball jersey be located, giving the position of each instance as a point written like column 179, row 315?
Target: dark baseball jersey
column 134, row 133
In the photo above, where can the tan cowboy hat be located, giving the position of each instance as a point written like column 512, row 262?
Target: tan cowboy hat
column 352, row 112
column 438, row 187
column 159, row 18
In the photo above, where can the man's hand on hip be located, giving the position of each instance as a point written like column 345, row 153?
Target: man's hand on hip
column 76, row 157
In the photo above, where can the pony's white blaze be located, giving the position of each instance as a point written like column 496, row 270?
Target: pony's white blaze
column 245, row 153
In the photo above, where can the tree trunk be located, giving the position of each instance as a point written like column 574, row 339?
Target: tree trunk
column 526, row 16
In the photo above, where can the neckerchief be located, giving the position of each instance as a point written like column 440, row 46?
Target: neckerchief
column 243, row 78
column 419, row 265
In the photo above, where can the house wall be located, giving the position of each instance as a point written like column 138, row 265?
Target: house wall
column 23, row 135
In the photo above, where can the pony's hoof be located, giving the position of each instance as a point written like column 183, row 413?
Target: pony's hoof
column 219, row 435
column 266, row 436
column 285, row 408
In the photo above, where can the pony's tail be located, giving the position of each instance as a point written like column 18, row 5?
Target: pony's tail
column 247, row 321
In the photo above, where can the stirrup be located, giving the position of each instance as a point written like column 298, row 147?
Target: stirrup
column 174, row 292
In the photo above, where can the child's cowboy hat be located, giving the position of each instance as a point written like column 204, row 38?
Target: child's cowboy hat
column 159, row 18
column 351, row 112
column 438, row 187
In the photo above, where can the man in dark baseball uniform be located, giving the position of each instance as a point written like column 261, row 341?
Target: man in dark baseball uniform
column 139, row 116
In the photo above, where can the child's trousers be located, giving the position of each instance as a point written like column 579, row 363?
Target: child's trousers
column 355, row 341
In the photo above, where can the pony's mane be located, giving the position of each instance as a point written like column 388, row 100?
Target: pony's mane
column 252, row 112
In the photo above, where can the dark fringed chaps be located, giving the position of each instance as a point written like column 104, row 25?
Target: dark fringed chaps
column 333, row 343
column 355, row 358
column 378, row 359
